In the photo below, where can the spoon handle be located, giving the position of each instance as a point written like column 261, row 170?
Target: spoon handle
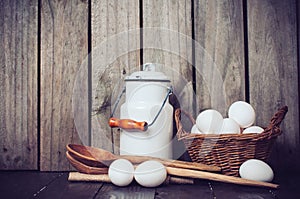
column 190, row 165
column 217, row 177
column 172, row 163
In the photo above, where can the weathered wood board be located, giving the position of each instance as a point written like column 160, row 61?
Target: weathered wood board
column 219, row 53
column 274, row 72
column 115, row 54
column 167, row 40
column 64, row 45
column 18, row 84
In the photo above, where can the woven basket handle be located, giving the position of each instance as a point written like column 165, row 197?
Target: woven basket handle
column 180, row 130
column 278, row 117
column 273, row 129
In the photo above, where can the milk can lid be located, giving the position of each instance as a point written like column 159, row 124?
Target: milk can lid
column 148, row 74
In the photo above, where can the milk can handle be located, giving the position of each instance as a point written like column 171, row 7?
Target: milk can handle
column 129, row 124
column 118, row 101
column 170, row 91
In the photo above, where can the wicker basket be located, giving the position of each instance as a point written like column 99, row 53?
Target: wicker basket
column 228, row 151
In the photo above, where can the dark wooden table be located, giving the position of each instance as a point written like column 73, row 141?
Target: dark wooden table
column 54, row 185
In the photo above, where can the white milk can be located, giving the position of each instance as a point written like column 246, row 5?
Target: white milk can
column 146, row 117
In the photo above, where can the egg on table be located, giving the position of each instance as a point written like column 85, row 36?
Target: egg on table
column 243, row 113
column 121, row 172
column 254, row 169
column 150, row 173
column 209, row 121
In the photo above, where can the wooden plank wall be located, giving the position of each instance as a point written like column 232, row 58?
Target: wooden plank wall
column 219, row 30
column 274, row 70
column 174, row 16
column 18, row 84
column 64, row 45
column 240, row 50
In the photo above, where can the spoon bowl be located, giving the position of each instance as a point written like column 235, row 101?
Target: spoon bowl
column 86, row 155
column 82, row 168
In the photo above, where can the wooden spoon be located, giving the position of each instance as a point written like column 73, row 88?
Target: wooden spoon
column 81, row 167
column 96, row 157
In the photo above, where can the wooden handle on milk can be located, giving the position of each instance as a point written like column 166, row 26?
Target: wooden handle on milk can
column 128, row 124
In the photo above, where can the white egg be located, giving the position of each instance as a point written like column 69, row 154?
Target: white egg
column 243, row 113
column 229, row 126
column 258, row 170
column 195, row 130
column 121, row 172
column 253, row 129
column 150, row 173
column 209, row 121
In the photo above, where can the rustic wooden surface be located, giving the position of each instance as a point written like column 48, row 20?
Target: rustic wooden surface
column 55, row 185
column 273, row 72
column 250, row 53
column 220, row 77
column 18, row 84
column 64, row 45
